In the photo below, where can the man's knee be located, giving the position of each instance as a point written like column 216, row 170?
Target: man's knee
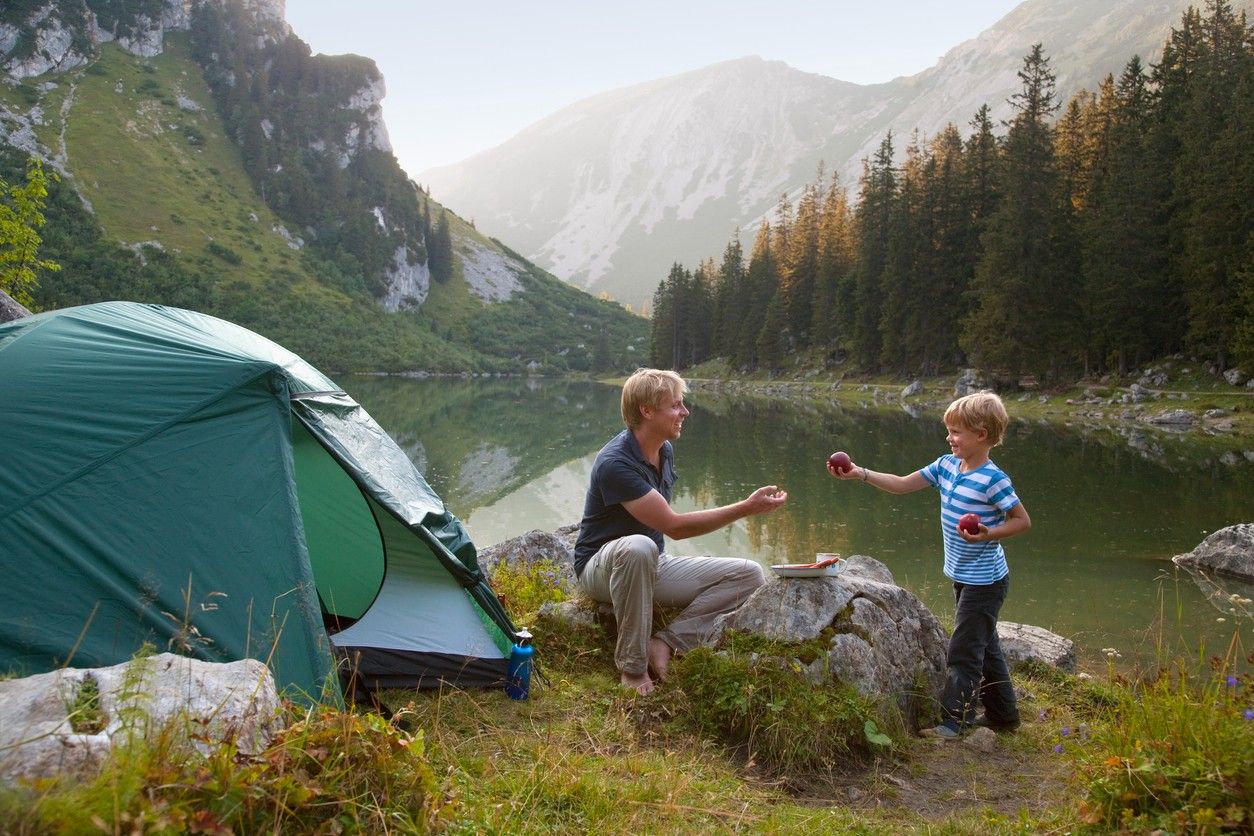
column 635, row 550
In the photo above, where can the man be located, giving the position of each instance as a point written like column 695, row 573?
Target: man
column 619, row 555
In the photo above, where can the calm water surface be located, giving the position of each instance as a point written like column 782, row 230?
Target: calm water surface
column 1109, row 508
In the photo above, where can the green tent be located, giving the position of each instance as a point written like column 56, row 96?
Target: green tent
column 173, row 479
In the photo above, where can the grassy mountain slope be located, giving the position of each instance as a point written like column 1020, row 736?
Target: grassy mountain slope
column 143, row 145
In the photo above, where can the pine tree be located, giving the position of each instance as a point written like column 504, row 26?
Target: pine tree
column 1212, row 218
column 837, row 252
column 763, row 285
column 1024, row 284
column 876, row 198
column 1124, row 239
column 803, row 264
column 730, row 299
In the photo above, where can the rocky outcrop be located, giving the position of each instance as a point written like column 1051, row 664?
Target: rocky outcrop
column 66, row 721
column 528, row 550
column 10, row 308
column 408, row 281
column 57, row 49
column 1228, row 551
column 884, row 640
column 1025, row 643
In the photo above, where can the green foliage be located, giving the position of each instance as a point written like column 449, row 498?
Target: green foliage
column 1174, row 753
column 21, row 217
column 523, row 588
column 224, row 252
column 327, row 771
column 788, row 725
column 86, row 716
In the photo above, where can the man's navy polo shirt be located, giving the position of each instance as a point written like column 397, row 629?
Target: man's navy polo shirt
column 620, row 474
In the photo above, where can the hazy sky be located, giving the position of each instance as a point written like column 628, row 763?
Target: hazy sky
column 465, row 75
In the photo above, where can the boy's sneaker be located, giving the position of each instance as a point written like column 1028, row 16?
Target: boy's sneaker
column 983, row 721
column 941, row 732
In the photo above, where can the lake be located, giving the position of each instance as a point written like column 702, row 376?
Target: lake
column 1109, row 506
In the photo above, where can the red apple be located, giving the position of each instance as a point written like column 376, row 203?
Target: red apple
column 970, row 523
column 840, row 461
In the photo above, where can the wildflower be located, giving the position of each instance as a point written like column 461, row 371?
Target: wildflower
column 1066, row 731
column 1058, row 749
column 1249, row 714
column 1232, row 681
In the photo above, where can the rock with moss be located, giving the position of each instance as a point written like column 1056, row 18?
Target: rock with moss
column 530, row 550
column 877, row 637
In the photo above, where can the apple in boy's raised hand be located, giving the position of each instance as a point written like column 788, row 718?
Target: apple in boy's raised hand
column 970, row 523
column 840, row 461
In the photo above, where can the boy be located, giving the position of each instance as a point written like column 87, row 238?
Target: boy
column 969, row 482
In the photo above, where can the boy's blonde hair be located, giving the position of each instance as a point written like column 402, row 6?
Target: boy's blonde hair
column 980, row 411
column 647, row 387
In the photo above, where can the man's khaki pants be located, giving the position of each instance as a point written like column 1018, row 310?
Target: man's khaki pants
column 630, row 574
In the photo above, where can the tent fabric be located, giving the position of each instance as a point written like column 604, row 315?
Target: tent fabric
column 173, row 479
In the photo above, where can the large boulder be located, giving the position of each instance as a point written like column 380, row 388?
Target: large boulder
column 884, row 640
column 1025, row 643
column 50, row 726
column 1228, row 551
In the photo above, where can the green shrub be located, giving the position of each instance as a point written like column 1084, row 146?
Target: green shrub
column 788, row 725
column 1174, row 753
column 524, row 588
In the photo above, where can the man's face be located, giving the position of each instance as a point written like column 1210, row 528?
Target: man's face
column 667, row 418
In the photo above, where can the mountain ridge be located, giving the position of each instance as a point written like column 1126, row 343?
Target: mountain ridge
column 605, row 236
column 134, row 131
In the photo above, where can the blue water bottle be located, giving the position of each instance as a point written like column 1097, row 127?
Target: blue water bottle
column 518, row 674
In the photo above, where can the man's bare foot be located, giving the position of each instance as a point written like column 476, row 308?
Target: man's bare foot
column 639, row 681
column 659, row 657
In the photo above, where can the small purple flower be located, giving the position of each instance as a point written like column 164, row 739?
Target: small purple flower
column 1058, row 749
column 1066, row 731
column 1042, row 714
column 1249, row 713
column 1232, row 682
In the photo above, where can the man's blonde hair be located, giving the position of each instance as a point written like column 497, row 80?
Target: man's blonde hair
column 647, row 387
column 980, row 411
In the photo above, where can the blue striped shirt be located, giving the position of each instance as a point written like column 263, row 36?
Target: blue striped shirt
column 985, row 491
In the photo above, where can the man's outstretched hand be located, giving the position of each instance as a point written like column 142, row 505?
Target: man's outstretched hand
column 766, row 498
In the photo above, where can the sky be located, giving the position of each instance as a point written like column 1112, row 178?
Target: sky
column 464, row 76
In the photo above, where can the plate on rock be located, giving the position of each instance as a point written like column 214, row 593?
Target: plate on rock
column 825, row 566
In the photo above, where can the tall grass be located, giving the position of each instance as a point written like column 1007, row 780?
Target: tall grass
column 327, row 771
column 1174, row 749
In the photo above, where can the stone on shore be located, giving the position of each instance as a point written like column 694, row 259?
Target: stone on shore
column 1025, row 643
column 1228, row 551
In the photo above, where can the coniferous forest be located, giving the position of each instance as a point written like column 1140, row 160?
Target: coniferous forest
column 1079, row 239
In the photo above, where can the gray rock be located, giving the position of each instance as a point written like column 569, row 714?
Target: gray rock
column 1228, row 551
column 1025, row 643
column 970, row 381
column 10, row 308
column 1172, row 418
column 236, row 701
column 982, row 740
column 913, row 389
column 885, row 639
column 1235, row 377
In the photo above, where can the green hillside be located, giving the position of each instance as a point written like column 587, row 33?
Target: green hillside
column 173, row 217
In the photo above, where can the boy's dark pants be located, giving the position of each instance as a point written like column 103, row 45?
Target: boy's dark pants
column 975, row 659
